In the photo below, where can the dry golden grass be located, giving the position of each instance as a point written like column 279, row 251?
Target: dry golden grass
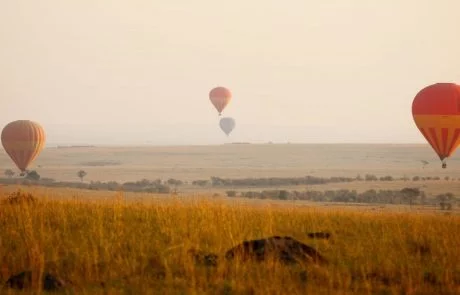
column 114, row 246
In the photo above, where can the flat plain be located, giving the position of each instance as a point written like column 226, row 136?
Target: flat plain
column 238, row 160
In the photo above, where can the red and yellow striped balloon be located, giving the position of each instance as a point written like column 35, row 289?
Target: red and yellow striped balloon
column 436, row 112
column 23, row 140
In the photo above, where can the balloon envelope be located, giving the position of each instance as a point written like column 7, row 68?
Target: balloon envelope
column 436, row 112
column 227, row 125
column 220, row 98
column 23, row 140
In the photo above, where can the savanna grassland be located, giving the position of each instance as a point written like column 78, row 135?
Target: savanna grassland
column 132, row 242
column 109, row 243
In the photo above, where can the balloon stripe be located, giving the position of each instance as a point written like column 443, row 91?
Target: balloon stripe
column 444, row 137
column 19, row 159
column 25, row 154
column 40, row 142
column 448, row 140
column 13, row 156
column 429, row 139
column 455, row 141
column 36, row 138
column 435, row 141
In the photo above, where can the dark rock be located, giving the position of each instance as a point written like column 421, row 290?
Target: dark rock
column 23, row 280
column 285, row 249
column 51, row 283
column 319, row 235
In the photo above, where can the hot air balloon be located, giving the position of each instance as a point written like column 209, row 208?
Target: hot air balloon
column 220, row 97
column 436, row 112
column 227, row 125
column 23, row 140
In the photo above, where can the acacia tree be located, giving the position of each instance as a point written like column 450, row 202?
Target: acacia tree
column 175, row 182
column 81, row 174
column 410, row 194
column 33, row 175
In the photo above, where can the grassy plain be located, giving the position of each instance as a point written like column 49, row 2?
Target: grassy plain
column 117, row 243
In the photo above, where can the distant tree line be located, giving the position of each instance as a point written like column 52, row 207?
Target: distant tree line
column 147, row 186
column 215, row 181
column 406, row 195
column 306, row 180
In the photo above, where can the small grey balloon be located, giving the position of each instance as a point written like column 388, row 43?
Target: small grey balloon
column 227, row 125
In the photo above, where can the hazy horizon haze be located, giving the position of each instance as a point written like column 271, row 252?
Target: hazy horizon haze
column 118, row 72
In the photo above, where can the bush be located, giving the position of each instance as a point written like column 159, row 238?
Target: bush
column 163, row 189
column 370, row 177
column 446, row 206
column 9, row 173
column 283, row 195
column 200, row 182
column 20, row 198
column 386, row 178
column 33, row 175
column 405, row 178
column 231, row 193
column 174, row 182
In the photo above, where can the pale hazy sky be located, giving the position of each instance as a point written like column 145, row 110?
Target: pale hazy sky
column 116, row 72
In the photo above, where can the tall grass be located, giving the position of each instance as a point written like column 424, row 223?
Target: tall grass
column 117, row 246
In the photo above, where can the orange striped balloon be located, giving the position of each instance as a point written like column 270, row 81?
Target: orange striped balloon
column 23, row 140
column 220, row 98
column 436, row 112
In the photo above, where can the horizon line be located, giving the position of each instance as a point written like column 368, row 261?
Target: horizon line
column 95, row 145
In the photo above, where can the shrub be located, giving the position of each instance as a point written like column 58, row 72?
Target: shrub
column 231, row 193
column 283, row 195
column 19, row 197
column 386, row 178
column 33, row 175
column 370, row 177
